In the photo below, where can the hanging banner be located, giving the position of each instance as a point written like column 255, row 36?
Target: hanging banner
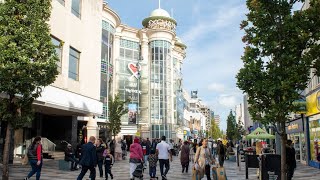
column 132, row 113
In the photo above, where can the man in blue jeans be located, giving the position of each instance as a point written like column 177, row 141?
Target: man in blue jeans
column 89, row 159
column 164, row 155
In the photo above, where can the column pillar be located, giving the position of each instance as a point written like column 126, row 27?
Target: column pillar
column 74, row 130
column 92, row 128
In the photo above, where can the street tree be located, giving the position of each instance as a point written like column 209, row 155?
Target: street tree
column 116, row 109
column 240, row 131
column 215, row 132
column 27, row 63
column 281, row 51
column 231, row 126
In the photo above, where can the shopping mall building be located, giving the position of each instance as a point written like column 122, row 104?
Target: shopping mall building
column 146, row 66
column 99, row 56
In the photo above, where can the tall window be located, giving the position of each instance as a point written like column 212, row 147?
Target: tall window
column 76, row 8
column 160, row 85
column 74, row 57
column 61, row 2
column 58, row 46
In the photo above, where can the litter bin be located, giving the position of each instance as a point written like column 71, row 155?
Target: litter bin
column 270, row 167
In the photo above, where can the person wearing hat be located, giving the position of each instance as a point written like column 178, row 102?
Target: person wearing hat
column 69, row 155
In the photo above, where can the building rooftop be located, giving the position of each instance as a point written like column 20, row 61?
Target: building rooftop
column 160, row 12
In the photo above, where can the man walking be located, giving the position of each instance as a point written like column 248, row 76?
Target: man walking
column 88, row 159
column 164, row 154
column 291, row 159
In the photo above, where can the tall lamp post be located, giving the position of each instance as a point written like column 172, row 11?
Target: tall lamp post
column 138, row 85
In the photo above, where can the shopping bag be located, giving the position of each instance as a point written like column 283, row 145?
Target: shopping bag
column 196, row 174
column 25, row 160
column 214, row 173
column 221, row 173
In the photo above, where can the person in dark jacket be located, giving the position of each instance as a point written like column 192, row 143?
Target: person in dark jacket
column 70, row 156
column 89, row 159
column 35, row 158
column 221, row 152
column 291, row 159
column 100, row 150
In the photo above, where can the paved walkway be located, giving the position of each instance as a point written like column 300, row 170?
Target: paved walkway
column 121, row 172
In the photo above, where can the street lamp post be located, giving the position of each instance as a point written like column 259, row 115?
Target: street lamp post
column 138, row 96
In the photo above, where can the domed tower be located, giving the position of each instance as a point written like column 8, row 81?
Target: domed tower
column 158, row 40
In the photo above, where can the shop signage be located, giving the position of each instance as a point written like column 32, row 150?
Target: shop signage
column 295, row 127
column 134, row 69
column 313, row 103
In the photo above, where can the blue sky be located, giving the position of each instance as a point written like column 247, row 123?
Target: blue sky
column 210, row 29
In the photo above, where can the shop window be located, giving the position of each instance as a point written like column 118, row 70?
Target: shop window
column 314, row 129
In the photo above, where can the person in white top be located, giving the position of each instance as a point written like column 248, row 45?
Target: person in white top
column 164, row 155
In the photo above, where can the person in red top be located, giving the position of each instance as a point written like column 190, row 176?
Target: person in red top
column 136, row 156
column 35, row 158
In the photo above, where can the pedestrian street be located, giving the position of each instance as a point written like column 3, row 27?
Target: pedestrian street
column 120, row 171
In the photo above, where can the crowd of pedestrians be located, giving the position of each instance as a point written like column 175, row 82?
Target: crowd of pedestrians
column 96, row 153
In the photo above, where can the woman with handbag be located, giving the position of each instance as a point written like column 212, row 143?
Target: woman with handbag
column 203, row 159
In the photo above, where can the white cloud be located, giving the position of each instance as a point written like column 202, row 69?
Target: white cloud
column 228, row 101
column 217, row 87
column 225, row 16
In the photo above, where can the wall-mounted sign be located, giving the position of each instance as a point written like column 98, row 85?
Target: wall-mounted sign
column 313, row 103
column 295, row 126
column 132, row 113
column 134, row 69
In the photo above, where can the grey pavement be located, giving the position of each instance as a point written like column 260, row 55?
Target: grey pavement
column 120, row 170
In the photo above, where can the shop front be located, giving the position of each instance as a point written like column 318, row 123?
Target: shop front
column 313, row 128
column 295, row 131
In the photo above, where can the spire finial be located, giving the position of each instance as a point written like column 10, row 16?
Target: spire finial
column 159, row 4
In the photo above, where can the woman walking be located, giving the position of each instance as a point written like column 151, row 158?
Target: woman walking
column 118, row 150
column 204, row 158
column 184, row 156
column 136, row 156
column 35, row 158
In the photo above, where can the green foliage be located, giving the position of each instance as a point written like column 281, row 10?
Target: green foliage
column 231, row 126
column 281, row 48
column 27, row 57
column 116, row 108
column 240, row 131
column 214, row 132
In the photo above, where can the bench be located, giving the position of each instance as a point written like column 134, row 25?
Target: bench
column 64, row 165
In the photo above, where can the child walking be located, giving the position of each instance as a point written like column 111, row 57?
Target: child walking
column 153, row 159
column 108, row 163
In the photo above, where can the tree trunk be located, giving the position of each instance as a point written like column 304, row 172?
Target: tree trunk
column 5, row 170
column 283, row 152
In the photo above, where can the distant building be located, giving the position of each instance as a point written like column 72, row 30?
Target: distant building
column 217, row 120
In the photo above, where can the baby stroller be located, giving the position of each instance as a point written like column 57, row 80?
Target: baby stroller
column 138, row 172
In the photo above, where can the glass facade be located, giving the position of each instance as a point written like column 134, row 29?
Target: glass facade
column 106, row 65
column 160, row 79
column 128, row 87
